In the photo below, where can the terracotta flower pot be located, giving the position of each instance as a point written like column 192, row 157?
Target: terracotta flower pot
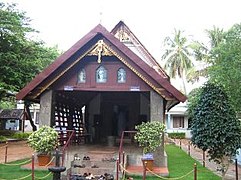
column 43, row 159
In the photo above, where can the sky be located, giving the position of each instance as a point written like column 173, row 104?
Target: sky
column 64, row 22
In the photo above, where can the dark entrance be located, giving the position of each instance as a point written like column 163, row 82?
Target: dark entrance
column 100, row 114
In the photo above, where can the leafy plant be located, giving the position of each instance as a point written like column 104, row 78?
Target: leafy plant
column 176, row 135
column 215, row 127
column 7, row 133
column 177, row 56
column 3, row 138
column 226, row 69
column 21, row 135
column 149, row 135
column 21, row 56
column 44, row 140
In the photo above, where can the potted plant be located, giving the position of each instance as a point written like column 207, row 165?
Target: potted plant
column 43, row 141
column 149, row 136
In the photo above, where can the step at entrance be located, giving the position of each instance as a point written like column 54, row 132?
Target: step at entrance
column 95, row 164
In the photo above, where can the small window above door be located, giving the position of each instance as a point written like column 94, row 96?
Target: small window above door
column 81, row 76
column 121, row 75
column 101, row 75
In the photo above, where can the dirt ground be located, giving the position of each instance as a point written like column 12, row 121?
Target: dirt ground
column 15, row 151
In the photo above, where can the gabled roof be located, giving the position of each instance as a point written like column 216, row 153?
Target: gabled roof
column 164, row 88
column 11, row 114
column 133, row 43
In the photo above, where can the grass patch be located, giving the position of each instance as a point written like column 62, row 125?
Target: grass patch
column 179, row 164
column 15, row 172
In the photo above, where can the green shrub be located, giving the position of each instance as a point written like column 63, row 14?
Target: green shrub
column 176, row 135
column 3, row 138
column 44, row 140
column 7, row 133
column 149, row 135
column 21, row 135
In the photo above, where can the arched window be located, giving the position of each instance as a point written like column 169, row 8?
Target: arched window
column 81, row 76
column 101, row 75
column 121, row 75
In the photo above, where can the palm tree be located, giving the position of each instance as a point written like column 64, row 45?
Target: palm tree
column 177, row 56
column 215, row 35
column 205, row 54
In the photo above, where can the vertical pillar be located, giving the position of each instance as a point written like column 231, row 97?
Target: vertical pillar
column 236, row 169
column 6, row 152
column 195, row 171
column 156, row 107
column 32, row 166
column 144, row 170
column 157, row 113
column 168, row 121
column 45, row 113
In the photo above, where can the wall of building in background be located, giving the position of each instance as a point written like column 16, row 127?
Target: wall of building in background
column 177, row 120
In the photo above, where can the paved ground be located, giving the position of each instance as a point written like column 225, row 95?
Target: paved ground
column 198, row 155
column 20, row 150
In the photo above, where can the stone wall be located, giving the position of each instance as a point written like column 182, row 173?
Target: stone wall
column 45, row 108
column 157, row 114
column 156, row 107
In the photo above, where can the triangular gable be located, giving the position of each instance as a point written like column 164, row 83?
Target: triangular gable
column 26, row 91
column 159, row 83
column 122, row 32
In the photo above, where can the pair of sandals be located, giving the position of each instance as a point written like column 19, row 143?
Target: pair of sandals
column 79, row 166
column 109, row 160
column 106, row 176
column 94, row 166
column 88, row 176
column 86, row 158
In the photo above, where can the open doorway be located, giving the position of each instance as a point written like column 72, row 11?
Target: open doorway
column 105, row 113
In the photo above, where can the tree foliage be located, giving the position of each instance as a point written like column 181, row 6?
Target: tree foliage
column 215, row 127
column 222, row 59
column 226, row 70
column 177, row 56
column 193, row 99
column 203, row 53
column 21, row 58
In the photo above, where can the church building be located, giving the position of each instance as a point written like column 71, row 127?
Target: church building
column 106, row 83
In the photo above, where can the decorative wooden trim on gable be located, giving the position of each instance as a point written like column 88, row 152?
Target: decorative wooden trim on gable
column 122, row 35
column 99, row 50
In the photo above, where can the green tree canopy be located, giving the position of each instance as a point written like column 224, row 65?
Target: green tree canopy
column 226, row 70
column 215, row 126
column 223, row 61
column 21, row 58
column 177, row 56
column 193, row 99
column 204, row 53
